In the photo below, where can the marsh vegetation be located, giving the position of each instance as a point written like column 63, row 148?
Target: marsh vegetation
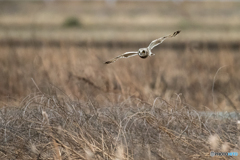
column 60, row 101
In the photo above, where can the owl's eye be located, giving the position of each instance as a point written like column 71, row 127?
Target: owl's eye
column 143, row 51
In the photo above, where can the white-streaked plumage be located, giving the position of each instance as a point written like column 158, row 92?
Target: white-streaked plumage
column 144, row 52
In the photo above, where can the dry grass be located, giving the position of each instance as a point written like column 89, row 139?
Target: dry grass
column 80, row 72
column 60, row 101
column 58, row 127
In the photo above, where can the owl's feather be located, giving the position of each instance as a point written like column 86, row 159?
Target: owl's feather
column 125, row 55
column 158, row 41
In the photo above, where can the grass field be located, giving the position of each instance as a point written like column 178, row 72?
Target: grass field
column 60, row 101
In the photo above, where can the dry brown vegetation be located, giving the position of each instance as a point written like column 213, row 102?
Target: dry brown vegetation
column 60, row 101
column 80, row 72
column 56, row 127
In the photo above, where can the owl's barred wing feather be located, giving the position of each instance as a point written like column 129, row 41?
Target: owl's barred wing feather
column 125, row 55
column 158, row 41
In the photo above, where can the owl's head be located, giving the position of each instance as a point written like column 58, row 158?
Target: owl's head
column 143, row 52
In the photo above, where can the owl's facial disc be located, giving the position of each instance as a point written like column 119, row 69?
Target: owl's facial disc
column 143, row 52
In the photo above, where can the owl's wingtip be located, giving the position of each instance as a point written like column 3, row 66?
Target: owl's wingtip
column 108, row 62
column 176, row 33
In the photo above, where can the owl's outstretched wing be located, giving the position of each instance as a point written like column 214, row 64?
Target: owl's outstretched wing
column 125, row 55
column 158, row 41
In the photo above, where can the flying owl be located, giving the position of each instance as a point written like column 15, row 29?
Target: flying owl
column 144, row 52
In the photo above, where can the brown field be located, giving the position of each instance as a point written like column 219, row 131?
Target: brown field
column 60, row 101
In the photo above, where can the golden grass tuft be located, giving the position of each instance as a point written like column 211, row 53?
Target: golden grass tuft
column 214, row 141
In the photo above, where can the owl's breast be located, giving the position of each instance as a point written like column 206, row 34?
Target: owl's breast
column 143, row 56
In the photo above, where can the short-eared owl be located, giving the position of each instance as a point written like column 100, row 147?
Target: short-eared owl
column 144, row 52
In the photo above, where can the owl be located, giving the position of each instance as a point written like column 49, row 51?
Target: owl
column 143, row 52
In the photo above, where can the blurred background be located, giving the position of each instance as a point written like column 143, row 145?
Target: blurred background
column 52, row 46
